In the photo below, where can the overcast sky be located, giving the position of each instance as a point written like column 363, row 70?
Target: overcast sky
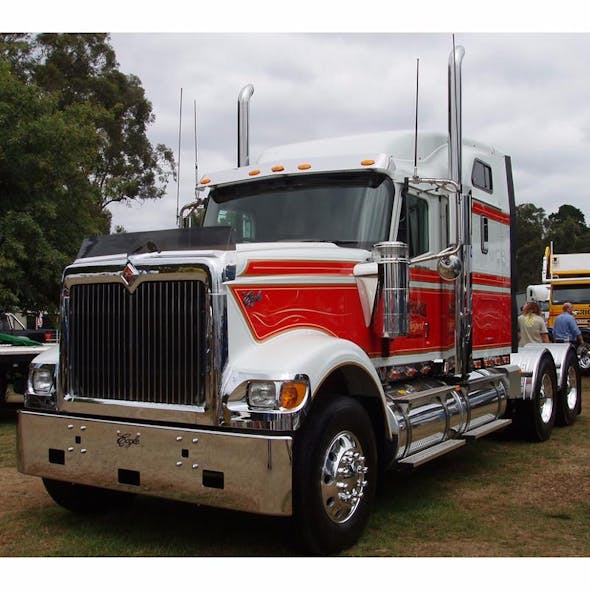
column 528, row 94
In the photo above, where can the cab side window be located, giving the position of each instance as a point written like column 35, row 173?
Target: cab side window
column 481, row 176
column 413, row 226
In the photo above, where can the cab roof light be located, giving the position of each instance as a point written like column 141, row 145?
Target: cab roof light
column 205, row 181
column 304, row 166
column 367, row 162
column 254, row 172
column 278, row 168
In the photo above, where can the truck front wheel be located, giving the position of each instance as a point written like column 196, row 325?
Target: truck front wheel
column 335, row 474
column 85, row 499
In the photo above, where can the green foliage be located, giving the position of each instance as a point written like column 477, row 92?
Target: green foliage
column 72, row 140
column 568, row 231
column 81, row 69
column 535, row 230
column 48, row 203
column 530, row 244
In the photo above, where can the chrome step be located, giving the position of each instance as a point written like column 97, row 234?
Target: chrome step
column 486, row 429
column 432, row 453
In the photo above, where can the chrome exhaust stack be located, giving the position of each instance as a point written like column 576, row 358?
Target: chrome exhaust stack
column 455, row 122
column 460, row 217
column 244, row 125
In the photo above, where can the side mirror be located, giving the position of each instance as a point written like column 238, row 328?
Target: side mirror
column 450, row 267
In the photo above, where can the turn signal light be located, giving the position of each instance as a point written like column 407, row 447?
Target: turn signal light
column 292, row 394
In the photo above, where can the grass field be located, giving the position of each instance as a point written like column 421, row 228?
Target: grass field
column 496, row 498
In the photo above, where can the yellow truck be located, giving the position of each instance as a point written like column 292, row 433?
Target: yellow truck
column 568, row 276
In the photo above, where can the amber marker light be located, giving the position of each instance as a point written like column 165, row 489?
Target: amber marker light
column 277, row 168
column 205, row 181
column 367, row 162
column 304, row 166
column 254, row 172
column 292, row 394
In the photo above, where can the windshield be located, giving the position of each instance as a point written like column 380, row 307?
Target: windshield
column 351, row 209
column 565, row 293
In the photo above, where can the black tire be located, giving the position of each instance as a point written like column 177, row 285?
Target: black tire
column 569, row 398
column 85, row 499
column 536, row 416
column 336, row 435
column 583, row 358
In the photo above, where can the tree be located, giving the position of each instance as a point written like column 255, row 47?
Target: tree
column 82, row 69
column 535, row 230
column 529, row 245
column 72, row 139
column 568, row 231
column 48, row 204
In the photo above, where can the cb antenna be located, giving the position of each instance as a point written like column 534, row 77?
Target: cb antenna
column 178, row 167
column 416, row 120
column 196, row 162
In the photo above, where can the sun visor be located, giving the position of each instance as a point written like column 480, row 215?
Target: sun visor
column 194, row 238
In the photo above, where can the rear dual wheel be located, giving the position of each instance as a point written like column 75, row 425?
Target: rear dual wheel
column 536, row 416
column 569, row 399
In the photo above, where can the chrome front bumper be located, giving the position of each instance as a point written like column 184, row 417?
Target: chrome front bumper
column 244, row 472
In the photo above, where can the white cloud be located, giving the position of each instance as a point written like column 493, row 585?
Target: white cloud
column 527, row 94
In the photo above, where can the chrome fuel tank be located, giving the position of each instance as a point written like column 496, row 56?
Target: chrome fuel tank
column 424, row 414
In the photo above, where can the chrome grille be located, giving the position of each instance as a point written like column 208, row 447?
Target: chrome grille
column 149, row 345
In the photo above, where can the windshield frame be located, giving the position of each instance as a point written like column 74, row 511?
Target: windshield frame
column 325, row 205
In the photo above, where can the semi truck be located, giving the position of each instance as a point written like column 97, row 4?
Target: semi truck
column 539, row 294
column 346, row 307
column 568, row 278
column 18, row 347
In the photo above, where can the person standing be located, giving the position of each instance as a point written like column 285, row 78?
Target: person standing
column 531, row 326
column 565, row 328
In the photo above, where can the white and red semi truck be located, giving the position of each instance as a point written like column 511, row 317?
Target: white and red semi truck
column 346, row 307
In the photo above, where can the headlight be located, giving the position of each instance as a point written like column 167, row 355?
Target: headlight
column 40, row 393
column 42, row 381
column 262, row 394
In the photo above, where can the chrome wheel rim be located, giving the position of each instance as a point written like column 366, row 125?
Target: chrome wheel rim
column 546, row 399
column 584, row 361
column 571, row 392
column 343, row 477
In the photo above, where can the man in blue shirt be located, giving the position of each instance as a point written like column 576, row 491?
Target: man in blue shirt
column 565, row 328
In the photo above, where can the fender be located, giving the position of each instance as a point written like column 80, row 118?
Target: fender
column 308, row 352
column 557, row 351
column 528, row 358
column 47, row 357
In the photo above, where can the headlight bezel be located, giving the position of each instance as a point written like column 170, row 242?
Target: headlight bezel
column 41, row 388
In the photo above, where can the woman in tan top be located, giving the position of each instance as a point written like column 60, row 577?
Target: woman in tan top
column 531, row 326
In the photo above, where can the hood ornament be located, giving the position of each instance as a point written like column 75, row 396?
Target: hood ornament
column 129, row 275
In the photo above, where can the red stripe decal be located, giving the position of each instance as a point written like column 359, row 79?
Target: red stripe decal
column 335, row 309
column 495, row 214
column 491, row 280
column 297, row 267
